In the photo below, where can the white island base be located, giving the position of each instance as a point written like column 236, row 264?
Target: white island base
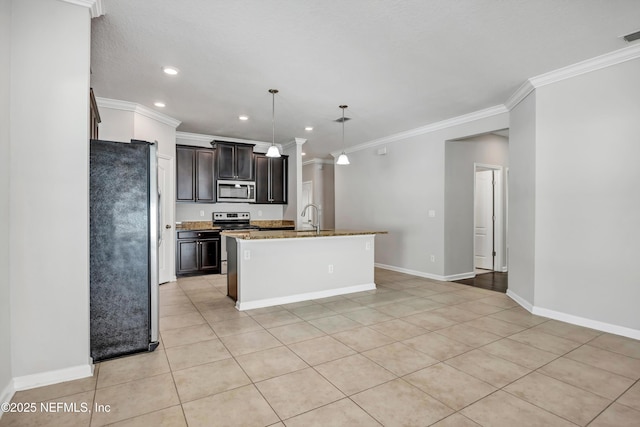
column 287, row 270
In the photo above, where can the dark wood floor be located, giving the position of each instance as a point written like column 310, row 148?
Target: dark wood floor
column 492, row 280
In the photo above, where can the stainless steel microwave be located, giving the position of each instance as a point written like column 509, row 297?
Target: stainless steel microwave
column 236, row 191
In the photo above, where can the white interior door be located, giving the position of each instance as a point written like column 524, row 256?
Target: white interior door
column 484, row 220
column 166, row 251
column 307, row 197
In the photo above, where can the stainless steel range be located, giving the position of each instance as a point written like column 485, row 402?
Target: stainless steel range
column 236, row 221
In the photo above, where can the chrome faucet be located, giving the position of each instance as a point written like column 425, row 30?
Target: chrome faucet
column 317, row 224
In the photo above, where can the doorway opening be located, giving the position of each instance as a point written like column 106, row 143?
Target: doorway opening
column 489, row 238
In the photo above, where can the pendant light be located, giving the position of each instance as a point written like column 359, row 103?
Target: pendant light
column 273, row 149
column 342, row 158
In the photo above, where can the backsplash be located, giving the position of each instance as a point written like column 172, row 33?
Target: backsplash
column 191, row 211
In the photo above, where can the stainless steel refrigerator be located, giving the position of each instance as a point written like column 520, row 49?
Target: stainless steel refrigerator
column 123, row 251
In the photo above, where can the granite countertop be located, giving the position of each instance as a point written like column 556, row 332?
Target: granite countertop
column 295, row 234
column 196, row 225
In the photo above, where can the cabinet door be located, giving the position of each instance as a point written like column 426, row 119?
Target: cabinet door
column 187, row 256
column 205, row 190
column 210, row 255
column 225, row 163
column 185, row 163
column 244, row 162
column 279, row 180
column 262, row 179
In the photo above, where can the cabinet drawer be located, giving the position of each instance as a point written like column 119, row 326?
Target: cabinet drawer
column 196, row 234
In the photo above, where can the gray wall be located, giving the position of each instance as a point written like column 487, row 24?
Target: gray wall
column 321, row 176
column 394, row 192
column 588, row 196
column 460, row 157
column 191, row 211
column 49, row 167
column 5, row 79
column 522, row 202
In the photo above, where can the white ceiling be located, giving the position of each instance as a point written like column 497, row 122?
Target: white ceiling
column 398, row 64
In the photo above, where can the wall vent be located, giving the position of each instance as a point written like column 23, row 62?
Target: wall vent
column 632, row 37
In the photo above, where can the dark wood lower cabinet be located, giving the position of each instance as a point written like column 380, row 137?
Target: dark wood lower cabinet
column 197, row 252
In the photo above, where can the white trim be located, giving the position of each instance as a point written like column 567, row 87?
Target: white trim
column 269, row 302
column 317, row 161
column 455, row 121
column 520, row 94
column 7, row 394
column 95, row 6
column 459, row 276
column 583, row 67
column 409, row 271
column 52, row 377
column 208, row 139
column 587, row 323
column 294, row 141
column 115, row 104
column 517, row 298
column 593, row 64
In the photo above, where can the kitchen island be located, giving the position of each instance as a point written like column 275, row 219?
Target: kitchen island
column 267, row 268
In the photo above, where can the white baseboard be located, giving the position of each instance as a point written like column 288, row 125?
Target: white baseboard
column 7, row 394
column 408, row 271
column 449, row 278
column 52, row 377
column 460, row 276
column 523, row 302
column 269, row 302
column 587, row 323
column 575, row 320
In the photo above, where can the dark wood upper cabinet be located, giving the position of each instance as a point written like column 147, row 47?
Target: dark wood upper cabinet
column 205, row 180
column 185, row 170
column 271, row 179
column 195, row 174
column 234, row 161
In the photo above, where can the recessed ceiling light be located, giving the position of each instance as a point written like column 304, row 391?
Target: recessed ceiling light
column 303, row 153
column 159, row 104
column 243, row 117
column 308, row 128
column 172, row 71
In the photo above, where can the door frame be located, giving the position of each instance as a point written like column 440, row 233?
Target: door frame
column 169, row 199
column 499, row 211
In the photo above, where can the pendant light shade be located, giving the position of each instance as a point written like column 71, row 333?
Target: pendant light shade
column 273, row 149
column 342, row 158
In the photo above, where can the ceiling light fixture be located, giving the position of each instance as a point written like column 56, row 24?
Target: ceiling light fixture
column 159, row 104
column 273, row 150
column 308, row 128
column 342, row 158
column 243, row 118
column 172, row 71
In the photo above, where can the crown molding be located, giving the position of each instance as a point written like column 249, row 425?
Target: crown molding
column 95, row 6
column 593, row 64
column 115, row 104
column 444, row 124
column 519, row 95
column 294, row 141
column 317, row 161
column 198, row 137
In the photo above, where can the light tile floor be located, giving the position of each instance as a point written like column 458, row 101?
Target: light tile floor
column 414, row 352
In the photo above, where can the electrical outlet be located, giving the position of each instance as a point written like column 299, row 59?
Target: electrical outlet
column 367, row 246
column 433, row 258
column 247, row 254
column 330, row 268
column 259, row 213
column 201, row 213
column 432, row 213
